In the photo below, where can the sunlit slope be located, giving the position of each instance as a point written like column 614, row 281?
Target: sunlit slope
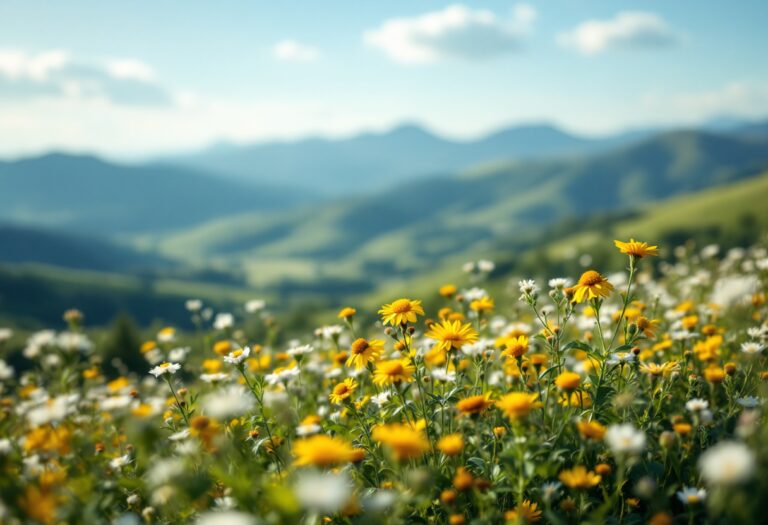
column 732, row 211
column 408, row 230
column 728, row 214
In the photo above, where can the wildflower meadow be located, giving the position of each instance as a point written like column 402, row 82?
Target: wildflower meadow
column 629, row 394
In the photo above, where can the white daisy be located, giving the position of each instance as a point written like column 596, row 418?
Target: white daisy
column 179, row 354
column 323, row 492
column 625, row 439
column 165, row 368
column 299, row 350
column 119, row 462
column 696, row 405
column 193, row 305
column 692, row 495
column 558, row 283
column 235, row 357
column 727, row 463
column 279, row 376
column 255, row 305
column 752, row 348
column 225, row 403
column 381, row 398
column 223, row 321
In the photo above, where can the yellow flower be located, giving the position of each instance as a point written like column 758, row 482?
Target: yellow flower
column 347, row 313
column 222, row 347
column 579, row 478
column 568, row 381
column 143, row 410
column 401, row 312
column 49, row 439
column 447, row 290
column 451, row 334
column 211, row 366
column 517, row 405
column 474, row 404
column 714, row 374
column 636, row 249
column 393, row 371
column 451, row 445
column 527, row 510
column 205, row 429
column 343, row 391
column 322, row 451
column 515, row 346
column 91, row 373
column 709, row 349
column 689, row 322
column 166, row 334
column 591, row 430
column 657, row 370
column 434, row 357
column 591, row 285
column 405, row 441
column 576, row 399
column 363, row 352
column 647, row 326
column 484, row 304
column 463, row 479
column 39, row 504
column 118, row 384
column 147, row 346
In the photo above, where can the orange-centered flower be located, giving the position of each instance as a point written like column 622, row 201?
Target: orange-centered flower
column 451, row 334
column 636, row 249
column 322, row 451
column 591, row 285
column 343, row 391
column 517, row 405
column 393, row 371
column 363, row 352
column 579, row 478
column 401, row 312
column 474, row 404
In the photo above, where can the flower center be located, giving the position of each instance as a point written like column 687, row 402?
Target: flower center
column 590, row 278
column 360, row 346
column 401, row 306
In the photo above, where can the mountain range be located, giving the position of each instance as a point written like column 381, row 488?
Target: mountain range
column 87, row 194
column 406, row 229
column 378, row 208
column 373, row 161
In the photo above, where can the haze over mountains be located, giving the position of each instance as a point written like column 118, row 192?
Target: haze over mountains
column 373, row 161
column 343, row 216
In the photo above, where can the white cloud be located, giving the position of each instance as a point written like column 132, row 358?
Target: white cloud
column 57, row 74
column 735, row 99
column 16, row 64
column 131, row 69
column 293, row 51
column 626, row 30
column 456, row 32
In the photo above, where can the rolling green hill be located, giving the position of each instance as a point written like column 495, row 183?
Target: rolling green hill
column 26, row 244
column 733, row 215
column 86, row 194
column 355, row 243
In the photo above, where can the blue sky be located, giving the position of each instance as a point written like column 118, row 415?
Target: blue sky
column 141, row 78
